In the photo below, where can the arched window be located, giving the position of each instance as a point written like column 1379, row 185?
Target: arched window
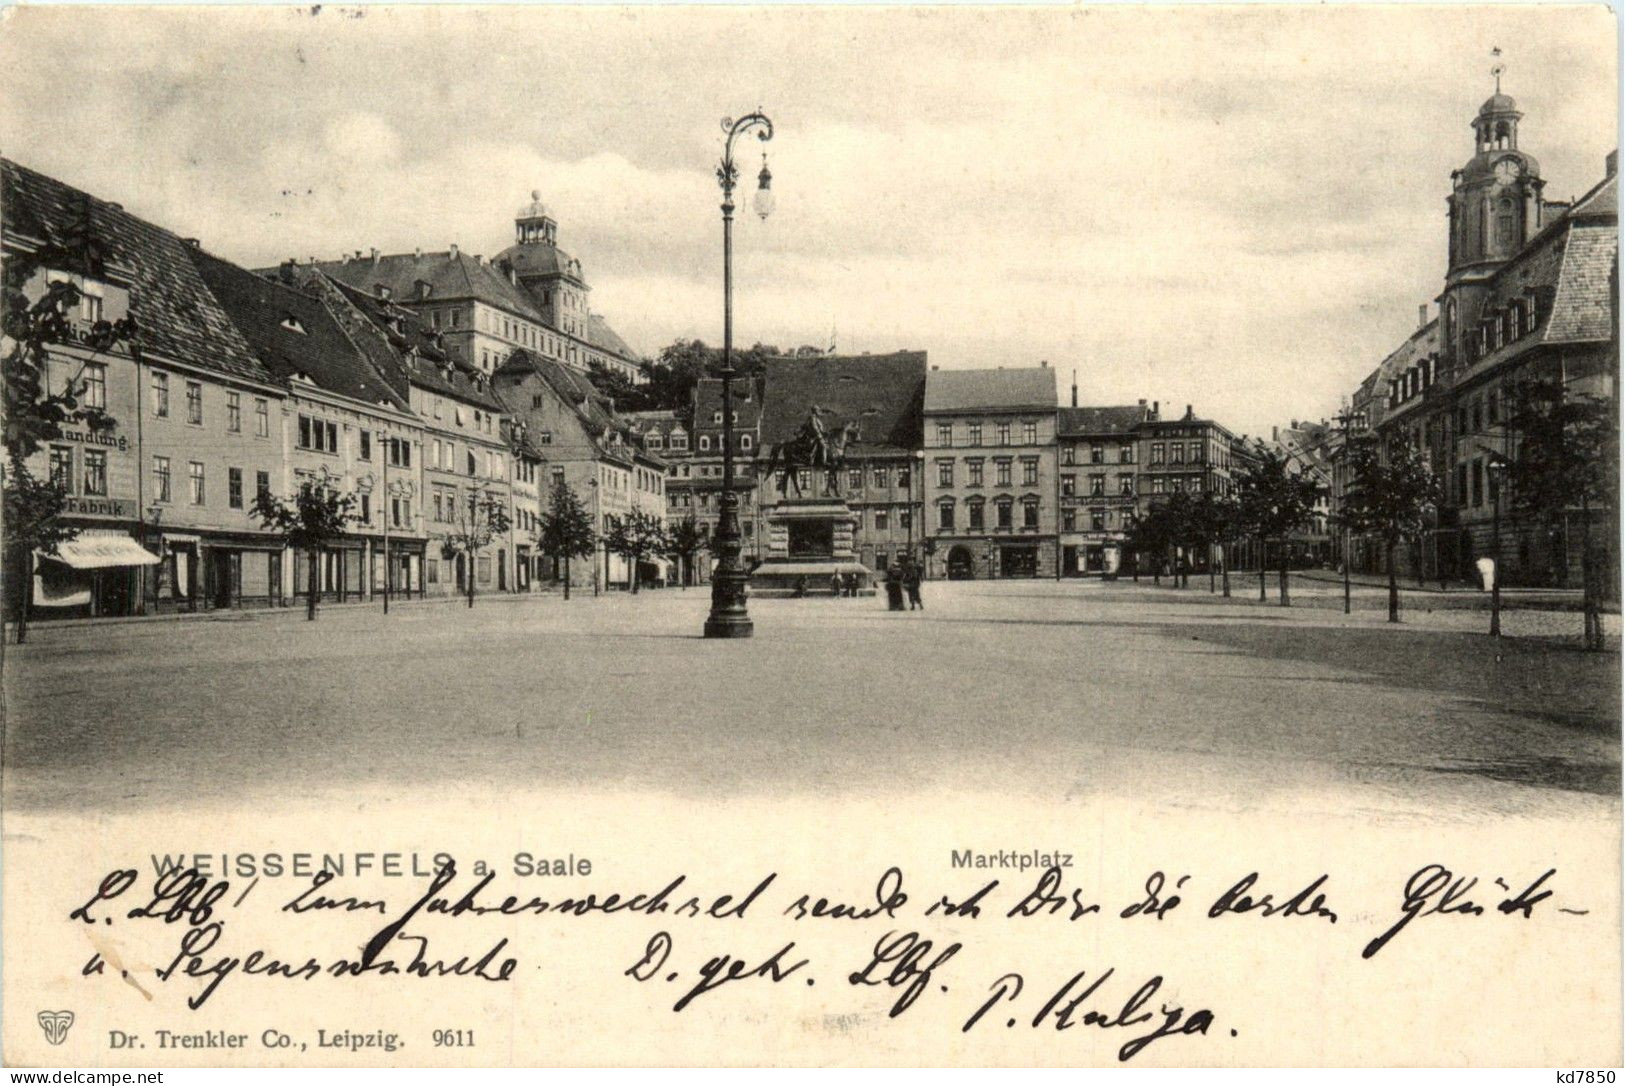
column 1505, row 224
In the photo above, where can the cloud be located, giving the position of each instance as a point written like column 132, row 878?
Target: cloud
column 1236, row 208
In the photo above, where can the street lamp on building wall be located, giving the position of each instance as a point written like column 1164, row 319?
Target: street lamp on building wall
column 1496, row 470
column 728, row 616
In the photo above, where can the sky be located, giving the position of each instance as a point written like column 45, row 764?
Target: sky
column 1239, row 209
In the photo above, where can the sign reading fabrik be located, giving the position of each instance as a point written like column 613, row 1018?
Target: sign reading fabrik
column 122, row 508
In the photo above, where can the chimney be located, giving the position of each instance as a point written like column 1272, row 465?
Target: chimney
column 1156, row 409
column 1275, row 433
column 1610, row 164
column 417, row 254
column 935, row 368
column 1190, row 414
column 1074, row 388
column 285, row 271
column 479, row 258
column 193, row 243
column 454, row 250
column 1043, row 364
column 1422, row 315
column 375, row 256
column 358, row 254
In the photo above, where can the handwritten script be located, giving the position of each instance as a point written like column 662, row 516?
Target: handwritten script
column 906, row 946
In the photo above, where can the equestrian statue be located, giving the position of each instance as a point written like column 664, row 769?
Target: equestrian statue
column 813, row 448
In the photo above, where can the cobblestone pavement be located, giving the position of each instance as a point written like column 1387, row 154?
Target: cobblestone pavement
column 1071, row 689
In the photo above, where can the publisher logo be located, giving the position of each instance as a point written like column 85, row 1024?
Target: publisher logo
column 56, row 1025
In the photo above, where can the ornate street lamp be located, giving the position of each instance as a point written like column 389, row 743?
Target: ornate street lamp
column 728, row 617
column 1496, row 469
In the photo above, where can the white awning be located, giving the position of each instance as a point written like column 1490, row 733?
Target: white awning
column 101, row 552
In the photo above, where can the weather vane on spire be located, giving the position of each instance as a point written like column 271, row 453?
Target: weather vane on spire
column 1498, row 69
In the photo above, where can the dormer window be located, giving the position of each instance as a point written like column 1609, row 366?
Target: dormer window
column 381, row 291
column 291, row 324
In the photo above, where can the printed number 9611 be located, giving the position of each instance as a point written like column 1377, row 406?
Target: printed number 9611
column 454, row 1038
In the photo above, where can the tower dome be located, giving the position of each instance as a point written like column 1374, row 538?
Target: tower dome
column 1498, row 103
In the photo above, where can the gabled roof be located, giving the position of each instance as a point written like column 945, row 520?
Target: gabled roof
column 592, row 407
column 450, row 277
column 415, row 350
column 177, row 315
column 1024, row 389
column 882, row 393
column 1087, row 421
column 293, row 334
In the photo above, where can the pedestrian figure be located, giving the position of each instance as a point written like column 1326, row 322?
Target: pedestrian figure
column 849, row 582
column 894, row 589
column 911, row 583
column 836, row 584
column 800, row 590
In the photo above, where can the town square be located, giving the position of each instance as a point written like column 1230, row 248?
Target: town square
column 810, row 536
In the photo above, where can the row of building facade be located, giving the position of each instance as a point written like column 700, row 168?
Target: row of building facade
column 419, row 384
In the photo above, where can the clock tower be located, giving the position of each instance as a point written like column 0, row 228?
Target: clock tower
column 1495, row 208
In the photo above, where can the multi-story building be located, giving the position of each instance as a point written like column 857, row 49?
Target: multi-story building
column 584, row 445
column 1098, row 492
column 881, row 397
column 697, row 486
column 463, row 454
column 1184, row 455
column 533, row 296
column 162, row 500
column 530, row 497
column 344, row 421
column 990, row 488
column 1527, row 293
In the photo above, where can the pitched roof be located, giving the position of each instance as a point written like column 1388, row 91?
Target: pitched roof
column 293, row 333
column 415, row 350
column 1026, row 388
column 882, row 393
column 448, row 275
column 593, row 408
column 178, row 317
column 602, row 336
column 1081, row 421
column 1580, row 309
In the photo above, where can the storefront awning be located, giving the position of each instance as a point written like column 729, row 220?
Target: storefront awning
column 102, row 552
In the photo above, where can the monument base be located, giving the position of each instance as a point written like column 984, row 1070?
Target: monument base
column 781, row 577
column 809, row 545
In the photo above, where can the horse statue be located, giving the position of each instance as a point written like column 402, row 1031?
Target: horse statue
column 812, row 448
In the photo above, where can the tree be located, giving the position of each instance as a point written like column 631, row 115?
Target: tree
column 685, row 540
column 565, row 530
column 1273, row 501
column 1391, row 493
column 476, row 522
column 634, row 536
column 35, row 316
column 1152, row 534
column 1567, row 457
column 316, row 515
column 1212, row 522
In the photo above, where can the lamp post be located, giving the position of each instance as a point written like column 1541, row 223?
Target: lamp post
column 728, row 616
column 1496, row 470
column 1345, row 419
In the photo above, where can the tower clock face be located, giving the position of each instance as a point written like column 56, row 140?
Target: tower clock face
column 1508, row 170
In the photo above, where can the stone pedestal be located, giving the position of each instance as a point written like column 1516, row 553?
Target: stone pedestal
column 810, row 540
